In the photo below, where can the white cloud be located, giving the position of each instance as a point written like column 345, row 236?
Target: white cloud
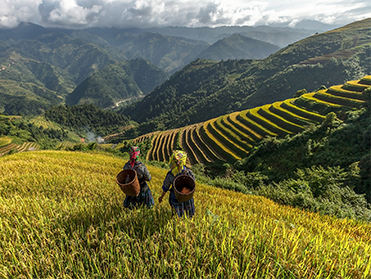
column 13, row 12
column 146, row 13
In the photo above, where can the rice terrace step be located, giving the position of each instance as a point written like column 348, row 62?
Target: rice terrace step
column 7, row 147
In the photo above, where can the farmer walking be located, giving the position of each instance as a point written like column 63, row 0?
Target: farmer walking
column 177, row 167
column 145, row 195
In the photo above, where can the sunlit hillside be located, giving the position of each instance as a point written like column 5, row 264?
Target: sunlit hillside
column 61, row 216
column 230, row 137
column 207, row 89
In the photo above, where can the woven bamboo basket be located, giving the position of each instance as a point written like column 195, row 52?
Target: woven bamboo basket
column 128, row 182
column 184, row 187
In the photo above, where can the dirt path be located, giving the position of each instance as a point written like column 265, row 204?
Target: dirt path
column 122, row 101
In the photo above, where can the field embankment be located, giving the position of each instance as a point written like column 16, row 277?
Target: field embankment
column 61, row 216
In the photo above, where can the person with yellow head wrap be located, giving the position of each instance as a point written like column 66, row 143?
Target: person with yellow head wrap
column 177, row 164
column 177, row 161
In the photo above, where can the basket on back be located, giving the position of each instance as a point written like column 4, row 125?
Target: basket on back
column 184, row 187
column 128, row 182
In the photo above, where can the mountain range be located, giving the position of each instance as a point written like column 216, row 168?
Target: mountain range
column 206, row 89
column 41, row 66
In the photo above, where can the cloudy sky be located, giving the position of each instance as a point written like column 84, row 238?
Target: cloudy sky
column 191, row 13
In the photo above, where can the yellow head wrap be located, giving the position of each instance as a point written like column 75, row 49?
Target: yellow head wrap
column 177, row 161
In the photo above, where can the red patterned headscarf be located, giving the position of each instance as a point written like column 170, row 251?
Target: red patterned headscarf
column 134, row 152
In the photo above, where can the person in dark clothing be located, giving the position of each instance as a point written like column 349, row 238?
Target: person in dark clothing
column 177, row 164
column 145, row 196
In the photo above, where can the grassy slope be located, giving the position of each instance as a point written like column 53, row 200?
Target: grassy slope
column 59, row 222
column 5, row 141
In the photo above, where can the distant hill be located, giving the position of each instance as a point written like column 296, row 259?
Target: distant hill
column 80, row 58
column 277, row 35
column 24, row 31
column 206, row 89
column 238, row 47
column 116, row 83
column 41, row 70
column 167, row 53
column 111, row 85
column 167, row 104
column 315, row 25
column 41, row 66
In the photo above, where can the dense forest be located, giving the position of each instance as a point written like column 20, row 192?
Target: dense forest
column 88, row 118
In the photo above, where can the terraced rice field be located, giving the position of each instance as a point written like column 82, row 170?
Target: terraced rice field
column 26, row 146
column 163, row 143
column 144, row 137
column 40, row 121
column 231, row 137
column 5, row 141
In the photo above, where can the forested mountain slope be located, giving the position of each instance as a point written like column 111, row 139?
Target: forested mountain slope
column 192, row 85
column 120, row 82
column 37, row 73
column 77, row 56
column 167, row 53
column 238, row 47
column 257, row 82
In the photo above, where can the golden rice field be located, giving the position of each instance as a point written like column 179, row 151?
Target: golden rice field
column 61, row 216
column 6, row 145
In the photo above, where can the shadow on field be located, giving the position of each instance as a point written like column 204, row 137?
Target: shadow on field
column 143, row 222
column 112, row 219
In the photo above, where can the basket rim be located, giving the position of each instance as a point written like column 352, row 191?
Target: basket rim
column 180, row 193
column 125, row 184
